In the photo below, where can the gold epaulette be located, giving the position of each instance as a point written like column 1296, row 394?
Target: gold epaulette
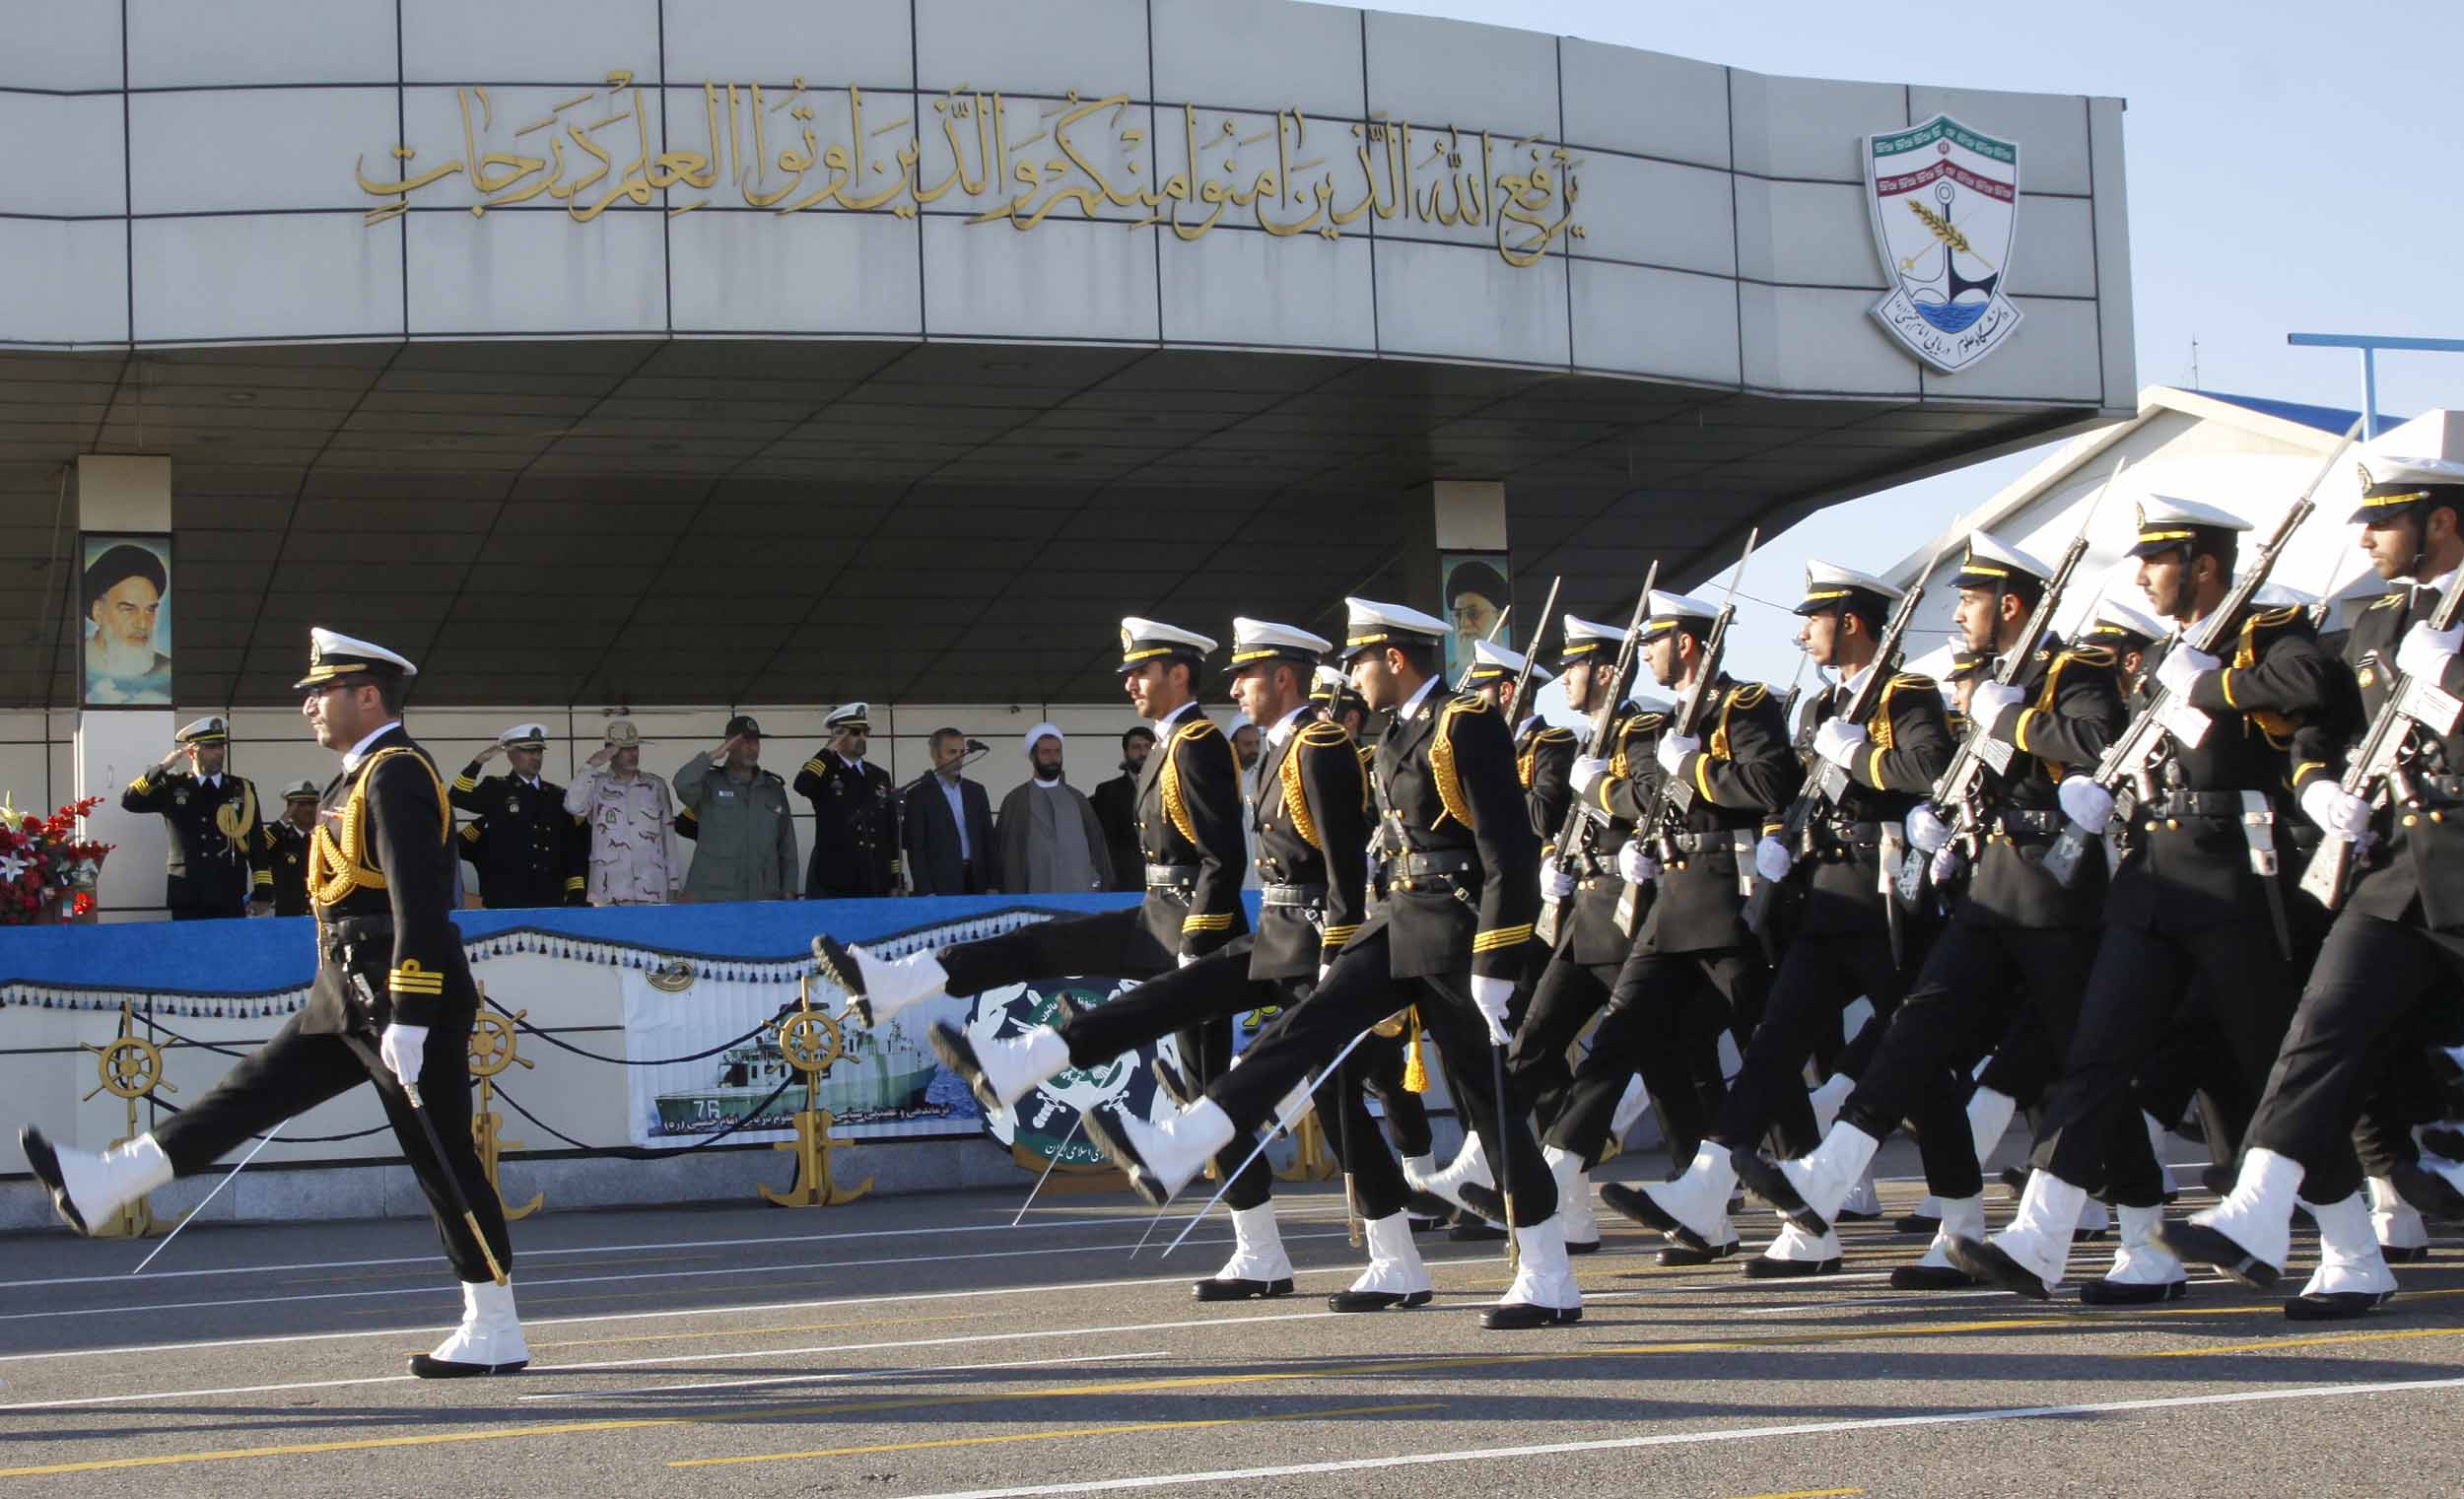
column 1176, row 806
column 1747, row 695
column 1552, row 734
column 337, row 865
column 1442, row 766
column 2395, row 600
column 2091, row 656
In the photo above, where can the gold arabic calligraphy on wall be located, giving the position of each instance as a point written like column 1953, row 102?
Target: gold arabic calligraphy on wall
column 1018, row 162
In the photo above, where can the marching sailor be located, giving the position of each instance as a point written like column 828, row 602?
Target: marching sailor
column 283, row 852
column 392, row 1004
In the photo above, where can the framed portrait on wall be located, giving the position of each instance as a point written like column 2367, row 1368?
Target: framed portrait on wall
column 1473, row 589
column 126, row 619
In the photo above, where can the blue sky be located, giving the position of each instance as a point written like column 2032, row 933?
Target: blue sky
column 2287, row 170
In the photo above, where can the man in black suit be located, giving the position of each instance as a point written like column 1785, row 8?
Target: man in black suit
column 1117, row 808
column 948, row 836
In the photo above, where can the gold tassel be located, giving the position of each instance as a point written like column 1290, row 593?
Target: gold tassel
column 1415, row 1071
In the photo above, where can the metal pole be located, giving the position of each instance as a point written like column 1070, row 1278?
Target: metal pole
column 2370, row 392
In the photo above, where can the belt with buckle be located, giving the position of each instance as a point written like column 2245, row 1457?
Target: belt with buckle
column 1170, row 876
column 1291, row 895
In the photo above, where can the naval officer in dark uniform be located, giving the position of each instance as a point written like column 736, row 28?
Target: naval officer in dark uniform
column 855, row 813
column 528, row 850
column 283, row 852
column 392, row 1004
column 215, row 828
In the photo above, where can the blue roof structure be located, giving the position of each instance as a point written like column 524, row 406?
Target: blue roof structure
column 2331, row 419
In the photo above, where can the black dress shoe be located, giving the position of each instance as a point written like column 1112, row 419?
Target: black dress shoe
column 2335, row 1306
column 838, row 965
column 1991, row 1266
column 1582, row 1246
column 1468, row 1227
column 1764, row 1178
column 1518, row 1316
column 1099, row 1130
column 1427, row 1204
column 1764, row 1268
column 2014, row 1178
column 424, row 1368
column 1635, row 1203
column 1678, row 1256
column 2444, row 1141
column 2090, row 1235
column 1916, row 1223
column 2198, row 1244
column 2413, row 1256
column 1850, row 1215
column 958, row 1053
column 2121, row 1293
column 2432, row 1195
column 2217, row 1178
column 45, row 1162
column 1176, row 1087
column 1378, row 1301
column 1235, row 1289
column 1930, row 1277
column 1484, row 1201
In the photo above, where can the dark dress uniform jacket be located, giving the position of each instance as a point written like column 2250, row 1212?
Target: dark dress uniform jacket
column 1446, row 786
column 1742, row 777
column 2072, row 710
column 854, row 838
column 282, row 854
column 211, row 867
column 1544, row 761
column 528, row 849
column 1591, row 935
column 1313, row 831
column 1907, row 747
column 2191, row 871
column 1189, row 812
column 381, row 883
column 2418, row 855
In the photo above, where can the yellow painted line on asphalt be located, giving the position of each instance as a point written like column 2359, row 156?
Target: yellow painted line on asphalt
column 807, row 1327
column 2305, row 1343
column 1084, row 1431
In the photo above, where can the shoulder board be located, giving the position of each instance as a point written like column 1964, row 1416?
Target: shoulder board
column 1912, row 679
column 2393, row 601
column 2275, row 618
column 772, row 776
column 1749, row 694
column 1554, row 734
column 2091, row 656
column 1321, row 734
column 1645, row 721
column 1470, row 702
column 1194, row 729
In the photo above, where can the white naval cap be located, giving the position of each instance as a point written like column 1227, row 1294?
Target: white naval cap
column 334, row 656
column 1256, row 642
column 2118, row 624
column 300, row 790
column 1492, row 662
column 1829, row 586
column 1671, row 610
column 1583, row 638
column 1369, row 625
column 1332, row 685
column 2390, row 486
column 2166, row 522
column 525, row 736
column 850, row 715
column 1145, row 639
column 1990, row 564
column 210, row 729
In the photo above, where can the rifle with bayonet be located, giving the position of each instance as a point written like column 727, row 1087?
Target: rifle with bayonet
column 2128, row 770
column 1677, row 795
column 2379, row 765
column 1520, row 705
column 1576, row 835
column 1825, row 783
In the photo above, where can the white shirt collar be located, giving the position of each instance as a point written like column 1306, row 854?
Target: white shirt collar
column 215, row 781
column 2443, row 581
column 1849, row 685
column 1165, row 723
column 359, row 751
column 1285, row 726
column 856, row 764
column 531, row 782
column 1403, row 714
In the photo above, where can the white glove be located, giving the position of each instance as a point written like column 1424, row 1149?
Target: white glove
column 2343, row 814
column 1588, row 772
column 1840, row 741
column 2181, row 667
column 1490, row 996
column 2085, row 803
column 1635, row 863
column 1927, row 831
column 1772, row 859
column 1186, row 958
column 1324, row 968
column 400, row 1048
column 1946, row 865
column 1673, row 748
column 2426, row 652
column 1557, row 884
column 1988, row 700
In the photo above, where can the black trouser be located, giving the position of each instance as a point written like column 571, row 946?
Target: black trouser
column 1195, row 1005
column 1358, row 992
column 1974, row 977
column 1376, row 1069
column 1106, row 944
column 2142, row 979
column 1661, row 1011
column 1372, row 1175
column 2370, row 979
column 2194, row 1063
column 1567, row 996
column 297, row 1070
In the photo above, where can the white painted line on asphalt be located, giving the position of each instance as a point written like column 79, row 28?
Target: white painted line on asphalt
column 1697, row 1438
column 175, row 1394
column 820, row 1376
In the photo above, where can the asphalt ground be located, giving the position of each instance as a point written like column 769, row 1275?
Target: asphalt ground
column 923, row 1347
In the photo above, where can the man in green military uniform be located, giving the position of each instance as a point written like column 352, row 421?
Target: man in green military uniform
column 744, row 832
column 212, row 818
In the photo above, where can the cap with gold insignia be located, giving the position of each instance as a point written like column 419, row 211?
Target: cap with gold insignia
column 1967, row 665
column 1989, row 564
column 2391, row 487
column 1372, row 625
column 525, row 736
column 1585, row 639
column 1259, row 642
column 850, row 719
column 300, row 790
column 1145, row 639
column 621, row 734
column 2167, row 524
column 210, row 729
column 1675, row 611
column 335, row 658
column 2124, row 628
column 1492, row 662
column 1831, row 586
column 1332, row 691
column 745, row 726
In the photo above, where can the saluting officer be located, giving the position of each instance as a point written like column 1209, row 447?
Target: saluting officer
column 2396, row 950
column 1189, row 817
column 392, row 1004
column 855, row 812
column 212, row 817
column 283, row 852
column 528, row 849
column 1458, row 890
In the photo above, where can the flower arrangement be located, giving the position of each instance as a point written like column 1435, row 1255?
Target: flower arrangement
column 47, row 872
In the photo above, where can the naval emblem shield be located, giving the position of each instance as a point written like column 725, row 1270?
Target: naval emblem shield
column 1945, row 199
